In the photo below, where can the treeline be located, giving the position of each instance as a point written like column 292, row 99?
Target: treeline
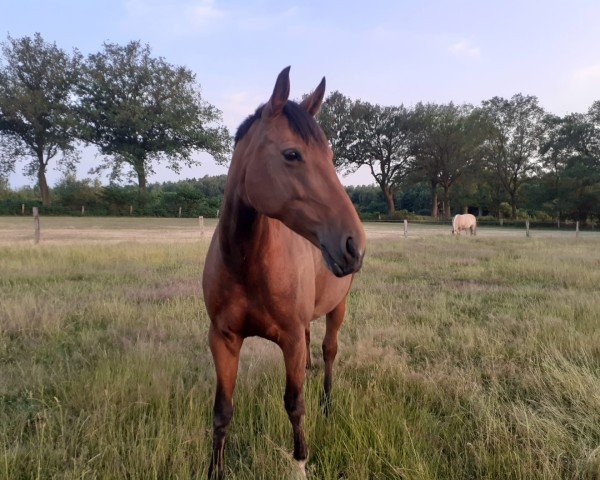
column 505, row 157
column 195, row 197
column 204, row 196
column 136, row 109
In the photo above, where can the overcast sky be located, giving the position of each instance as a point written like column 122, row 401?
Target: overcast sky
column 387, row 52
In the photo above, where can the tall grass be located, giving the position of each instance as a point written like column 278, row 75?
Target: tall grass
column 459, row 359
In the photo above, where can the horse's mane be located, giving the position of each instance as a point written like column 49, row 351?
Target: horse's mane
column 301, row 122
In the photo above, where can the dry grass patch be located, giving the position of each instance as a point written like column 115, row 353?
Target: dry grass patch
column 459, row 358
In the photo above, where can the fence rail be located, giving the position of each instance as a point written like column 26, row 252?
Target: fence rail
column 18, row 208
column 503, row 223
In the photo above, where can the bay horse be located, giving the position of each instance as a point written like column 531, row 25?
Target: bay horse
column 464, row 222
column 283, row 254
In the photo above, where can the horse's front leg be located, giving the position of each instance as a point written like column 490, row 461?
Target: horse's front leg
column 225, row 349
column 293, row 346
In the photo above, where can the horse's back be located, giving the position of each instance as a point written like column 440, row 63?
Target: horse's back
column 465, row 221
column 470, row 219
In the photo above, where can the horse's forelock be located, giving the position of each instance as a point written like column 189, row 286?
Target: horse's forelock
column 300, row 121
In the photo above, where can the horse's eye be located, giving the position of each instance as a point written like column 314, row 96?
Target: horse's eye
column 292, row 155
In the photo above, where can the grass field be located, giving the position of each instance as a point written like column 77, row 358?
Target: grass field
column 460, row 358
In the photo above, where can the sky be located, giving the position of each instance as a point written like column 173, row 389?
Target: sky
column 387, row 52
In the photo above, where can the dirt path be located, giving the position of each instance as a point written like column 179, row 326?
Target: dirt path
column 104, row 230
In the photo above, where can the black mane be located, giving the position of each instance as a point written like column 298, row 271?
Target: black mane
column 301, row 122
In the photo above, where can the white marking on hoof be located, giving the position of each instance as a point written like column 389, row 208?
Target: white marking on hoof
column 302, row 467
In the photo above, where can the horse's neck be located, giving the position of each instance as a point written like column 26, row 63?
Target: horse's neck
column 243, row 232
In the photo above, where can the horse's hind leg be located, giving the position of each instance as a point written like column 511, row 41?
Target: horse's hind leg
column 226, row 352
column 294, row 355
column 334, row 320
column 307, row 337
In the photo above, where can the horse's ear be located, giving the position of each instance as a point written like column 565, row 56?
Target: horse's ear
column 313, row 102
column 280, row 95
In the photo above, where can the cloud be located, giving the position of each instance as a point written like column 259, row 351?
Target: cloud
column 255, row 20
column 590, row 74
column 238, row 105
column 175, row 17
column 204, row 12
column 464, row 49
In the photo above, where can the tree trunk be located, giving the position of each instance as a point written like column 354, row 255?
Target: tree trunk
column 513, row 205
column 43, row 184
column 141, row 174
column 434, row 205
column 465, row 209
column 447, row 209
column 389, row 198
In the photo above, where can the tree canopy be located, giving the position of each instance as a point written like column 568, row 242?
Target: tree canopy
column 37, row 107
column 516, row 127
column 140, row 110
column 447, row 145
column 364, row 134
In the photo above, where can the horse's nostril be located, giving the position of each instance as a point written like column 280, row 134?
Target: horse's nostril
column 350, row 248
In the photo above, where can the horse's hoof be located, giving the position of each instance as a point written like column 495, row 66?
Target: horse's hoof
column 301, row 468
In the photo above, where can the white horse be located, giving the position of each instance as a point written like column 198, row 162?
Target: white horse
column 464, row 222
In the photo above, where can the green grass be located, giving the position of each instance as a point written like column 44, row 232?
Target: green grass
column 459, row 359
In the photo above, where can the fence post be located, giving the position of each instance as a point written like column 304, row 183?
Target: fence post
column 201, row 223
column 558, row 223
column 36, row 225
column 83, row 209
column 22, row 209
column 130, row 209
column 217, row 214
column 527, row 227
column 179, row 214
column 577, row 228
column 501, row 221
column 405, row 228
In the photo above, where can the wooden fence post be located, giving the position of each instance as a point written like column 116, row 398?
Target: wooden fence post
column 217, row 214
column 405, row 228
column 83, row 209
column 201, row 223
column 527, row 227
column 501, row 221
column 130, row 209
column 179, row 214
column 36, row 225
column 577, row 228
column 558, row 223
column 22, row 209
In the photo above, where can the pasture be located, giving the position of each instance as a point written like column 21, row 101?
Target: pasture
column 459, row 358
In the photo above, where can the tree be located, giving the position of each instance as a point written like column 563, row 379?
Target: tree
column 364, row 134
column 570, row 156
column 140, row 110
column 448, row 144
column 37, row 115
column 515, row 130
column 593, row 117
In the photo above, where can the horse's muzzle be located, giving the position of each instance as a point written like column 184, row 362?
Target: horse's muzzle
column 344, row 260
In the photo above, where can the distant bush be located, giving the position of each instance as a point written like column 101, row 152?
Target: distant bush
column 196, row 197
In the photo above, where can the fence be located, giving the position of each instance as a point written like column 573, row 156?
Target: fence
column 565, row 225
column 10, row 207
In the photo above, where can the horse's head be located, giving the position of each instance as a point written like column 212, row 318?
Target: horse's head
column 289, row 175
